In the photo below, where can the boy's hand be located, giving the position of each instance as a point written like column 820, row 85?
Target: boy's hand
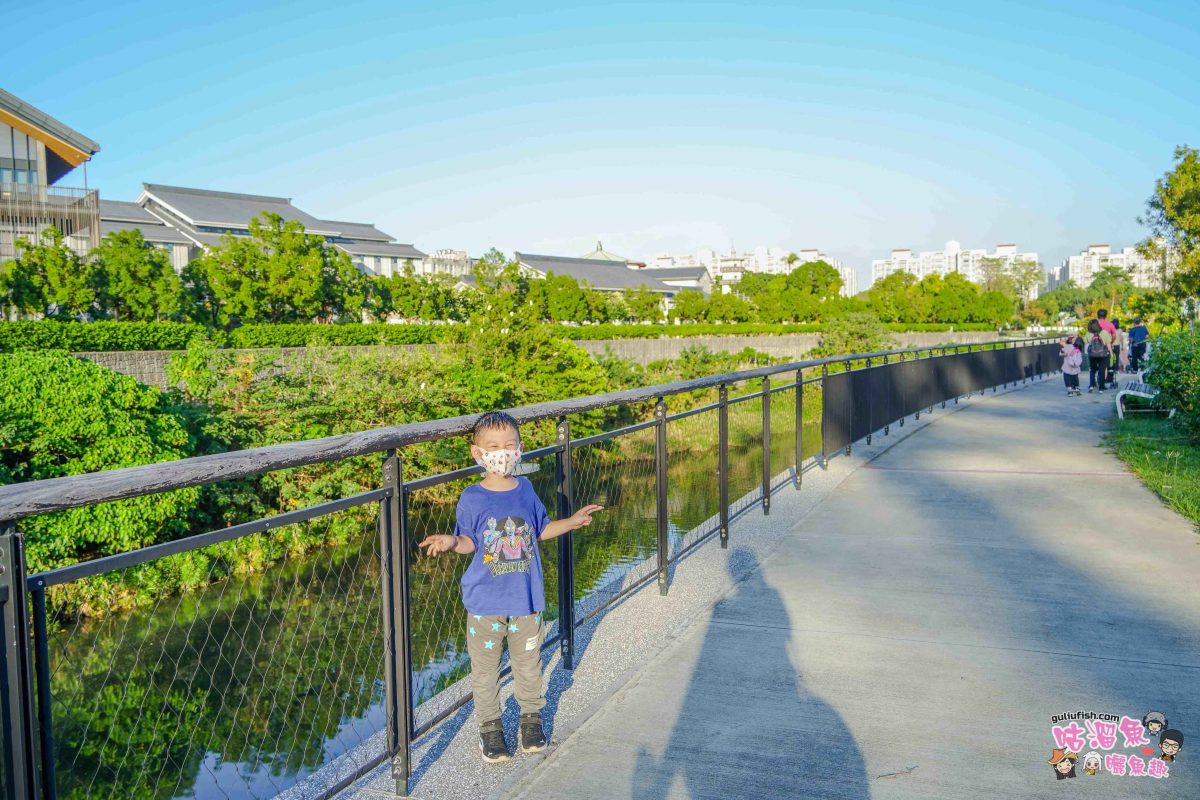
column 583, row 517
column 438, row 543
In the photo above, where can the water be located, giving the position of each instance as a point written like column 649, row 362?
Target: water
column 249, row 685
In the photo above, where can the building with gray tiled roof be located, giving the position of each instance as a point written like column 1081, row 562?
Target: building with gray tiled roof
column 118, row 215
column 604, row 276
column 204, row 217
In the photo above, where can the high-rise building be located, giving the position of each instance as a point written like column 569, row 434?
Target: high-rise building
column 952, row 258
column 729, row 267
column 1081, row 269
column 36, row 152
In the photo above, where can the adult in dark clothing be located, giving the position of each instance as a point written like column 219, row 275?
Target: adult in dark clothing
column 1099, row 351
column 1139, row 334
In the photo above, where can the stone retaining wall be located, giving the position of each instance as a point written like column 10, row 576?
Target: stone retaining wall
column 149, row 366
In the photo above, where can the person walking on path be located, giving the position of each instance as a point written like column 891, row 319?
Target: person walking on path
column 1099, row 351
column 1139, row 334
column 1120, row 350
column 1072, row 355
column 1108, row 326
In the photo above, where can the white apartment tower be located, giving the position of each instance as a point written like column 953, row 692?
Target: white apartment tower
column 1082, row 268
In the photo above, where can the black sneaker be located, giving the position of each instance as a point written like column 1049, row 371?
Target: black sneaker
column 533, row 738
column 491, row 742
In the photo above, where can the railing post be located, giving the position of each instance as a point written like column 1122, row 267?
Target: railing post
column 394, row 552
column 888, row 427
column 869, row 434
column 21, row 776
column 660, row 474
column 41, row 668
column 799, row 424
column 566, row 548
column 824, row 455
column 766, row 454
column 902, row 416
column 723, row 459
column 849, row 368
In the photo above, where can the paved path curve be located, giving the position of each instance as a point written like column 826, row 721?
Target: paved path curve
column 913, row 634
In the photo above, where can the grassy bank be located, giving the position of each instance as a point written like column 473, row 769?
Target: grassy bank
column 1166, row 461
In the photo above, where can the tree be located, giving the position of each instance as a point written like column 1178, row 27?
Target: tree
column 854, row 333
column 1110, row 286
column 136, row 279
column 279, row 274
column 20, row 292
column 565, row 300
column 1026, row 276
column 690, row 306
column 817, row 278
column 728, row 308
column 1173, row 216
column 995, row 276
column 645, row 304
column 50, row 278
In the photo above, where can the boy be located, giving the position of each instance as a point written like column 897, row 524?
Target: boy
column 499, row 521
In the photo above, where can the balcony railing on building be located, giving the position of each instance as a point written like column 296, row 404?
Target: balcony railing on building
column 27, row 210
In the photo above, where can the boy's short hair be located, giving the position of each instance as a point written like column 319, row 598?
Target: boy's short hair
column 493, row 420
column 1102, row 313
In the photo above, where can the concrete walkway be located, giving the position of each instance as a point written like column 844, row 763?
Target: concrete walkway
column 912, row 634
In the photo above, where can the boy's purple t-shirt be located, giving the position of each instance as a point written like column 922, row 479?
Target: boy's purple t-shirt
column 505, row 575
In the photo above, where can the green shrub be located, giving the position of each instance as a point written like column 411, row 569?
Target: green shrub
column 61, row 415
column 93, row 336
column 857, row 332
column 302, row 335
column 96, row 336
column 1175, row 371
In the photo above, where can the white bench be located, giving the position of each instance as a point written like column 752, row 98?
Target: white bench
column 1137, row 389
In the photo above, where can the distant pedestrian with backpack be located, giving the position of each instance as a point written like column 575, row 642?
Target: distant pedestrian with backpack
column 1099, row 351
column 1072, row 356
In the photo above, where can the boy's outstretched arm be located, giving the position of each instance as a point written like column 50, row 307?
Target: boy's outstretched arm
column 445, row 542
column 580, row 519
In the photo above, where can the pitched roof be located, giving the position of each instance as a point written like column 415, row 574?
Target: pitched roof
column 358, row 230
column 393, row 249
column 150, row 231
column 676, row 273
column 600, row 254
column 230, row 209
column 44, row 122
column 604, row 275
column 114, row 210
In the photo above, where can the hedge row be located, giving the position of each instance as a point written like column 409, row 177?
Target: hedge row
column 94, row 336
column 81, row 336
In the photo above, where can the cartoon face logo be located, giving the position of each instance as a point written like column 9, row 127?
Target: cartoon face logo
column 1063, row 762
column 1171, row 742
column 1155, row 722
column 1091, row 763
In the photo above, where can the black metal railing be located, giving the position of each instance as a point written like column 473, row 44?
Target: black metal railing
column 321, row 669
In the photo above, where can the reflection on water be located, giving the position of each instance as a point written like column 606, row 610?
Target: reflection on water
column 251, row 684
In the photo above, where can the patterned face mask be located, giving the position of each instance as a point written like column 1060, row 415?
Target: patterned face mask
column 500, row 462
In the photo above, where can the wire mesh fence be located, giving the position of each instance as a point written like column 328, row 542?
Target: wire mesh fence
column 618, row 474
column 745, row 448
column 244, row 669
column 239, row 688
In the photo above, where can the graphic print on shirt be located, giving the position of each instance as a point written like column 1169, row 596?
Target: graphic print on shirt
column 507, row 545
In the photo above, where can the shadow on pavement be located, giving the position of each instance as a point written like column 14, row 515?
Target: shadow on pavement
column 747, row 726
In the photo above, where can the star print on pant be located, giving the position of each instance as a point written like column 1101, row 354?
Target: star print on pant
column 489, row 637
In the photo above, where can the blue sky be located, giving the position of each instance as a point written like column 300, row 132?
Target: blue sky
column 655, row 126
